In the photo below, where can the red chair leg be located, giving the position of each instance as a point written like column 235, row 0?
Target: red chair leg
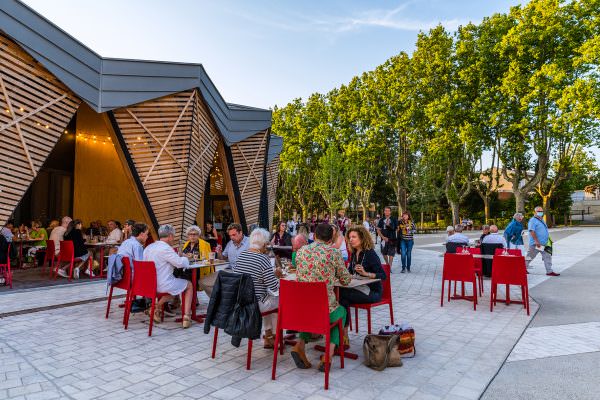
column 249, row 355
column 109, row 299
column 356, row 318
column 474, row 293
column 127, row 307
column 442, row 297
column 326, row 358
column 152, row 316
column 341, row 346
column 214, row 349
column 278, row 342
column 369, row 320
column 71, row 271
column 391, row 313
column 492, row 297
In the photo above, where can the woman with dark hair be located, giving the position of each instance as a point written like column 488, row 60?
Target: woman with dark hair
column 74, row 234
column 364, row 261
column 406, row 231
column 282, row 238
column 211, row 234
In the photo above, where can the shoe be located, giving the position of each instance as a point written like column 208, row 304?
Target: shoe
column 87, row 272
column 408, row 270
column 186, row 322
column 62, row 273
column 321, row 366
column 300, row 359
column 157, row 319
column 269, row 342
column 552, row 274
column 75, row 273
column 402, row 271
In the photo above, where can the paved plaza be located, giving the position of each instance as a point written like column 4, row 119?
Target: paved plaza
column 72, row 352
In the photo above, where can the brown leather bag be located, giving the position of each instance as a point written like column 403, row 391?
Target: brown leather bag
column 381, row 351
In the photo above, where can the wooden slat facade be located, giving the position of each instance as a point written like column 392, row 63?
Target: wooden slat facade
column 249, row 159
column 35, row 108
column 272, row 175
column 172, row 142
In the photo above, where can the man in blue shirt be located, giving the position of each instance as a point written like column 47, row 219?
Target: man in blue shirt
column 538, row 238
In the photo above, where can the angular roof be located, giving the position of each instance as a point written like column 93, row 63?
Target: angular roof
column 109, row 83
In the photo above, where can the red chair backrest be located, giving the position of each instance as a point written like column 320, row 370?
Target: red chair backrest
column 7, row 264
column 67, row 251
column 512, row 252
column 472, row 250
column 387, row 284
column 125, row 282
column 458, row 267
column 144, row 279
column 510, row 270
column 49, row 250
column 303, row 306
column 219, row 239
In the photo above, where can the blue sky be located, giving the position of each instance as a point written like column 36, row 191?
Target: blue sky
column 262, row 53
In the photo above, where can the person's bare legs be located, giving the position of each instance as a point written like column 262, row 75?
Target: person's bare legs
column 159, row 307
column 187, row 311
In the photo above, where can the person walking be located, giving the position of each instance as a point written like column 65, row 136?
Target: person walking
column 539, row 237
column 406, row 239
column 513, row 233
column 386, row 230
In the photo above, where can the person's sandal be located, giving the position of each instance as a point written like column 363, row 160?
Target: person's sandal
column 321, row 366
column 186, row 322
column 269, row 342
column 157, row 317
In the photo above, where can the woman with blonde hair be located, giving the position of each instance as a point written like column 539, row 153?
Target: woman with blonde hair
column 365, row 262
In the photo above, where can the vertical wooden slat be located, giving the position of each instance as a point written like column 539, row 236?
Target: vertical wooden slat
column 272, row 175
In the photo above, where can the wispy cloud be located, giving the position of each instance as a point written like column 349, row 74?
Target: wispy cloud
column 395, row 18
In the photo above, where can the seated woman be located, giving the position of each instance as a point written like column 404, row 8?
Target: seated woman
column 74, row 234
column 339, row 242
column 211, row 234
column 364, row 261
column 37, row 232
column 193, row 247
column 256, row 263
column 282, row 238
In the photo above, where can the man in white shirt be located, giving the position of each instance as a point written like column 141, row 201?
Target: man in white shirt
column 458, row 236
column 494, row 237
column 114, row 233
column 166, row 260
column 366, row 224
column 58, row 233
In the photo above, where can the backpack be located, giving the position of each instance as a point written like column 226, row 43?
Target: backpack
column 380, row 351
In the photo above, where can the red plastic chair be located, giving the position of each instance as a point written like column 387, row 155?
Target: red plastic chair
column 509, row 270
column 478, row 267
column 386, row 298
column 49, row 257
column 249, row 355
column 295, row 298
column 459, row 268
column 67, row 255
column 125, row 284
column 5, row 269
column 144, row 284
column 219, row 239
column 511, row 252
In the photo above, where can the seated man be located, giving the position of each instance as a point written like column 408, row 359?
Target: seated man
column 485, row 230
column 298, row 242
column 458, row 236
column 494, row 237
column 134, row 246
column 114, row 233
column 321, row 262
column 166, row 260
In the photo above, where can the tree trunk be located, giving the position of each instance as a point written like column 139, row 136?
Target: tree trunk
column 545, row 206
column 422, row 219
column 455, row 218
column 364, row 210
column 519, row 201
column 486, row 208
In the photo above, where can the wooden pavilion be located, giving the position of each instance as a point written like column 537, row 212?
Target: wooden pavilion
column 100, row 138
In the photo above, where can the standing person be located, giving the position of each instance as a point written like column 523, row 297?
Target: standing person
column 339, row 242
column 406, row 239
column 58, row 233
column 166, row 260
column 320, row 262
column 366, row 224
column 365, row 262
column 292, row 225
column 539, row 237
column 386, row 230
column 514, row 233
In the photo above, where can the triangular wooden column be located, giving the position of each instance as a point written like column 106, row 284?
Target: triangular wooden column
column 249, row 160
column 172, row 141
column 35, row 108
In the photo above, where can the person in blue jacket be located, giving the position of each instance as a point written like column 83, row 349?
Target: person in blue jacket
column 513, row 232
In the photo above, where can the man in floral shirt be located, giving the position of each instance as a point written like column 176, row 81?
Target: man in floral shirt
column 321, row 262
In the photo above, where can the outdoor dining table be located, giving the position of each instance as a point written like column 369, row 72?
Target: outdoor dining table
column 195, row 267
column 355, row 282
column 101, row 246
column 21, row 242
